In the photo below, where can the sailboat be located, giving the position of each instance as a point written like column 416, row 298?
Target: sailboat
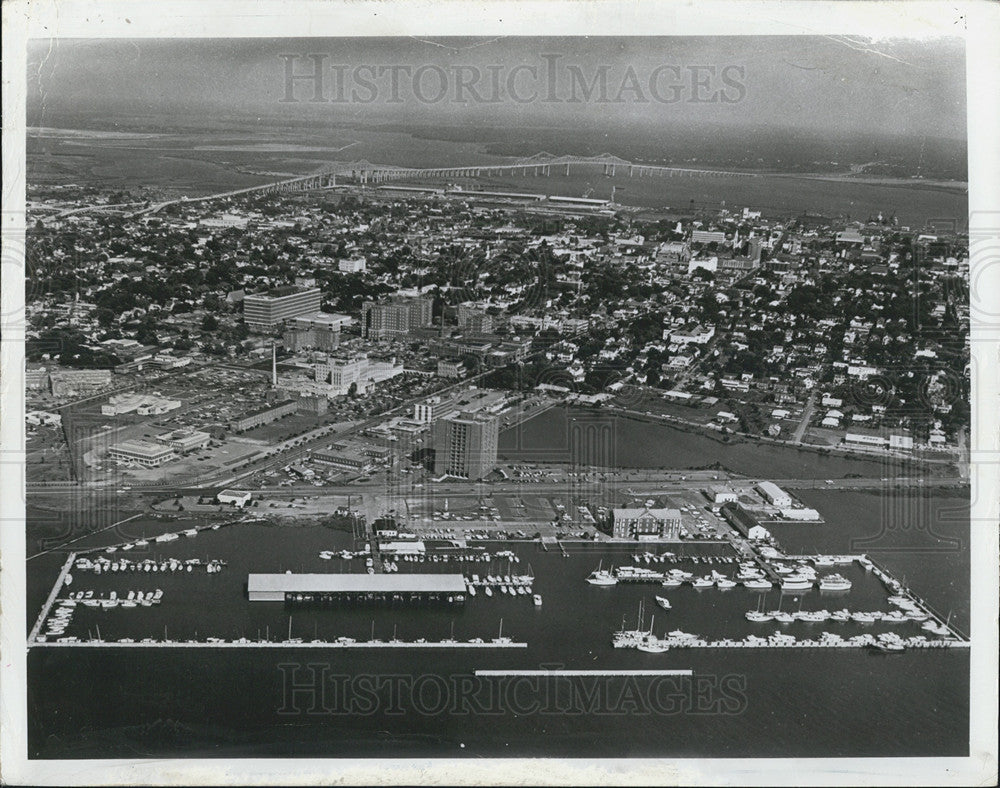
column 601, row 577
column 758, row 615
column 650, row 643
column 500, row 638
column 290, row 639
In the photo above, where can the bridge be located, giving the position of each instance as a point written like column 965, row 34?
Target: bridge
column 365, row 173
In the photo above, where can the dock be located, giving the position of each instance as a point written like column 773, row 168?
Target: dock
column 547, row 673
column 47, row 607
column 258, row 644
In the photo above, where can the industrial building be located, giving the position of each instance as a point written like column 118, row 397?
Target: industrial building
column 264, row 415
column 646, row 523
column 357, row 588
column 67, row 382
column 465, row 445
column 238, row 498
column 266, row 311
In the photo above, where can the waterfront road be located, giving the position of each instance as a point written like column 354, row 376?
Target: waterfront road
column 667, row 484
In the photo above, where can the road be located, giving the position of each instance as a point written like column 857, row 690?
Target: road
column 807, row 413
column 668, row 484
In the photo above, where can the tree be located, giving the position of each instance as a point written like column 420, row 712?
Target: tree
column 209, row 323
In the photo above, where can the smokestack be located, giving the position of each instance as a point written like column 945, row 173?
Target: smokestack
column 274, row 365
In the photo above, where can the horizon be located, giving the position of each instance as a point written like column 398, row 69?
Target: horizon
column 814, row 86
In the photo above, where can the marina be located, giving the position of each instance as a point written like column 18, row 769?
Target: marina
column 67, row 617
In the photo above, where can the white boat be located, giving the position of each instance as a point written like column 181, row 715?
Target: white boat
column 652, row 646
column 796, row 583
column 702, row 582
column 472, row 589
column 489, row 591
column 758, row 616
column 671, row 582
column 863, row 618
column 537, row 599
column 601, row 577
column 758, row 584
column 834, row 582
column 725, row 582
column 663, row 602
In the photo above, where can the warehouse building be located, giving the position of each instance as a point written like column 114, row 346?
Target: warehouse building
column 774, row 495
column 264, row 415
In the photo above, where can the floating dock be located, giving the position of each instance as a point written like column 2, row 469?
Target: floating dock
column 547, row 673
column 258, row 644
column 47, row 607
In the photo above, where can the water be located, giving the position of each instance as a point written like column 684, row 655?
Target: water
column 640, row 444
column 159, row 702
column 203, row 162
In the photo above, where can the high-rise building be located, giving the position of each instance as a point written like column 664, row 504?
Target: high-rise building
column 398, row 315
column 472, row 317
column 266, row 311
column 465, row 445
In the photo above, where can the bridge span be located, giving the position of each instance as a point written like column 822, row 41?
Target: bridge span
column 365, row 173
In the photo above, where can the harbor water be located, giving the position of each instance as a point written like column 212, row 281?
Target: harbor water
column 89, row 702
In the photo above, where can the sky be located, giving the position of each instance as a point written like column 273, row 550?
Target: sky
column 831, row 86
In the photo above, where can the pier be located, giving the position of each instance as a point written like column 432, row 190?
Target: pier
column 283, row 644
column 547, row 673
column 47, row 607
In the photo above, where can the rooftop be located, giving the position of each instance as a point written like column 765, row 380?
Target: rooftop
column 357, row 583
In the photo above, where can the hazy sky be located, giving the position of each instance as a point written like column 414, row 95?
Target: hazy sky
column 830, row 85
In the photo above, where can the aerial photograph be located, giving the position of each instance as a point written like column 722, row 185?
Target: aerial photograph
column 518, row 397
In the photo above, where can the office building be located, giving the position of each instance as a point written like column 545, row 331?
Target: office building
column 185, row 440
column 465, row 445
column 266, row 311
column 646, row 523
column 142, row 453
column 473, row 319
